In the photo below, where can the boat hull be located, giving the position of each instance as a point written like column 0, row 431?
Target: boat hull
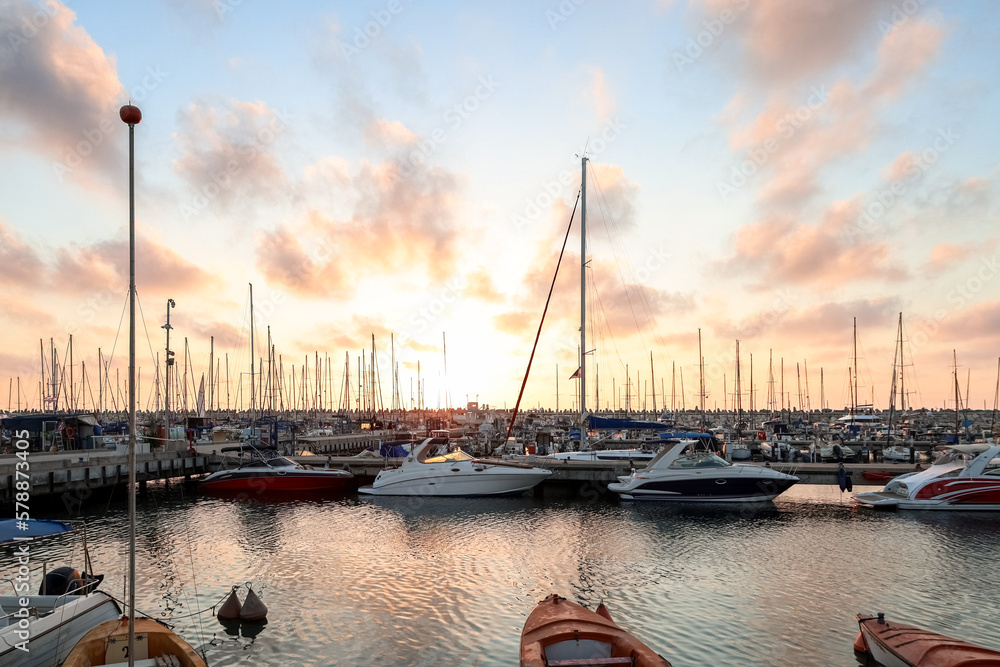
column 471, row 484
column 735, row 489
column 111, row 638
column 973, row 494
column 275, row 481
column 53, row 635
column 558, row 629
column 898, row 645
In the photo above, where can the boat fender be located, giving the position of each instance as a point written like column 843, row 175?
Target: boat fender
column 231, row 608
column 860, row 645
column 253, row 608
column 842, row 479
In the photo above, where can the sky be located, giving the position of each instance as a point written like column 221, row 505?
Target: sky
column 764, row 171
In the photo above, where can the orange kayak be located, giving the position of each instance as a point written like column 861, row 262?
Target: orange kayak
column 560, row 633
column 894, row 644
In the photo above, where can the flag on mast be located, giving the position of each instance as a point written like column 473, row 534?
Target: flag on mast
column 576, row 375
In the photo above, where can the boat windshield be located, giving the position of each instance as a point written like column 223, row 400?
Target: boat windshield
column 457, row 455
column 699, row 460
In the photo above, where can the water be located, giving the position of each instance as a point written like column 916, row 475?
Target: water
column 401, row 581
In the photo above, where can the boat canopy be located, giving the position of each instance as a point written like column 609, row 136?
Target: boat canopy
column 613, row 423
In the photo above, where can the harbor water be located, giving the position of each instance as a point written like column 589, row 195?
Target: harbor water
column 437, row 581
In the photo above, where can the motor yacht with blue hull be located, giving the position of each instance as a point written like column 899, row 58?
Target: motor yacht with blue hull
column 682, row 472
column 453, row 474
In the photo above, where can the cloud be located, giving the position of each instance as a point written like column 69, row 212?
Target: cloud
column 59, row 91
column 903, row 55
column 517, row 323
column 945, row 255
column 21, row 264
column 783, row 251
column 105, row 265
column 381, row 132
column 479, row 285
column 788, row 40
column 601, row 96
column 227, row 154
column 400, row 218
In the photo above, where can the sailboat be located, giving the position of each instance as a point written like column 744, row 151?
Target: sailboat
column 142, row 642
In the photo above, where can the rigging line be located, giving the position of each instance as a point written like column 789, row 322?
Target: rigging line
column 538, row 335
column 614, row 342
column 644, row 301
column 110, row 357
column 640, row 292
column 916, row 379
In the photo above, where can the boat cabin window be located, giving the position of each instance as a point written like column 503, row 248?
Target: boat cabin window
column 457, row 455
column 699, row 460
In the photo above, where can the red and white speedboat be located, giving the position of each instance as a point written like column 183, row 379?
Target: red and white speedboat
column 964, row 477
column 263, row 470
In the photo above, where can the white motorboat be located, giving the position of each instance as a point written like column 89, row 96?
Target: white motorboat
column 683, row 473
column 896, row 454
column 453, row 474
column 606, row 455
column 40, row 630
column 964, row 477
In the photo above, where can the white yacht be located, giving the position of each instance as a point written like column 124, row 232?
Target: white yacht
column 453, row 474
column 683, row 473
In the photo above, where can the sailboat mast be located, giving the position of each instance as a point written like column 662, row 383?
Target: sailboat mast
column 701, row 381
column 954, row 358
column 583, row 303
column 131, row 116
column 902, row 375
column 253, row 395
column 652, row 380
column 854, row 394
column 993, row 418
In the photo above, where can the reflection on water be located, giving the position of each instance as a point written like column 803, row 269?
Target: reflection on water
column 438, row 581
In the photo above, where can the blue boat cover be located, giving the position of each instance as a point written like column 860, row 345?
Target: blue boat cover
column 611, row 422
column 9, row 528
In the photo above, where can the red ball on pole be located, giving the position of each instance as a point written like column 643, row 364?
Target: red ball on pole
column 130, row 114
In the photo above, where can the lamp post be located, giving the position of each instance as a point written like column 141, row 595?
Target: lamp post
column 131, row 116
column 170, row 362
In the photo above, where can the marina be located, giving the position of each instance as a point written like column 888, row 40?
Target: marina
column 364, row 341
column 415, row 581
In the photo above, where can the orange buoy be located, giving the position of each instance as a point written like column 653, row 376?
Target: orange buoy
column 860, row 645
column 230, row 610
column 253, row 608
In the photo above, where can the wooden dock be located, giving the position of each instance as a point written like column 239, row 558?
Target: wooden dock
column 74, row 475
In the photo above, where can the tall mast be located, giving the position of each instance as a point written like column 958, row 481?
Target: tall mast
column 902, row 374
column 739, row 392
column 701, row 381
column 854, row 393
column 583, row 303
column 652, row 379
column 957, row 427
column 253, row 395
column 71, row 404
column 993, row 419
column 131, row 115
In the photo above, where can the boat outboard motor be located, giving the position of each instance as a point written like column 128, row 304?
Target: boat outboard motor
column 63, row 580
